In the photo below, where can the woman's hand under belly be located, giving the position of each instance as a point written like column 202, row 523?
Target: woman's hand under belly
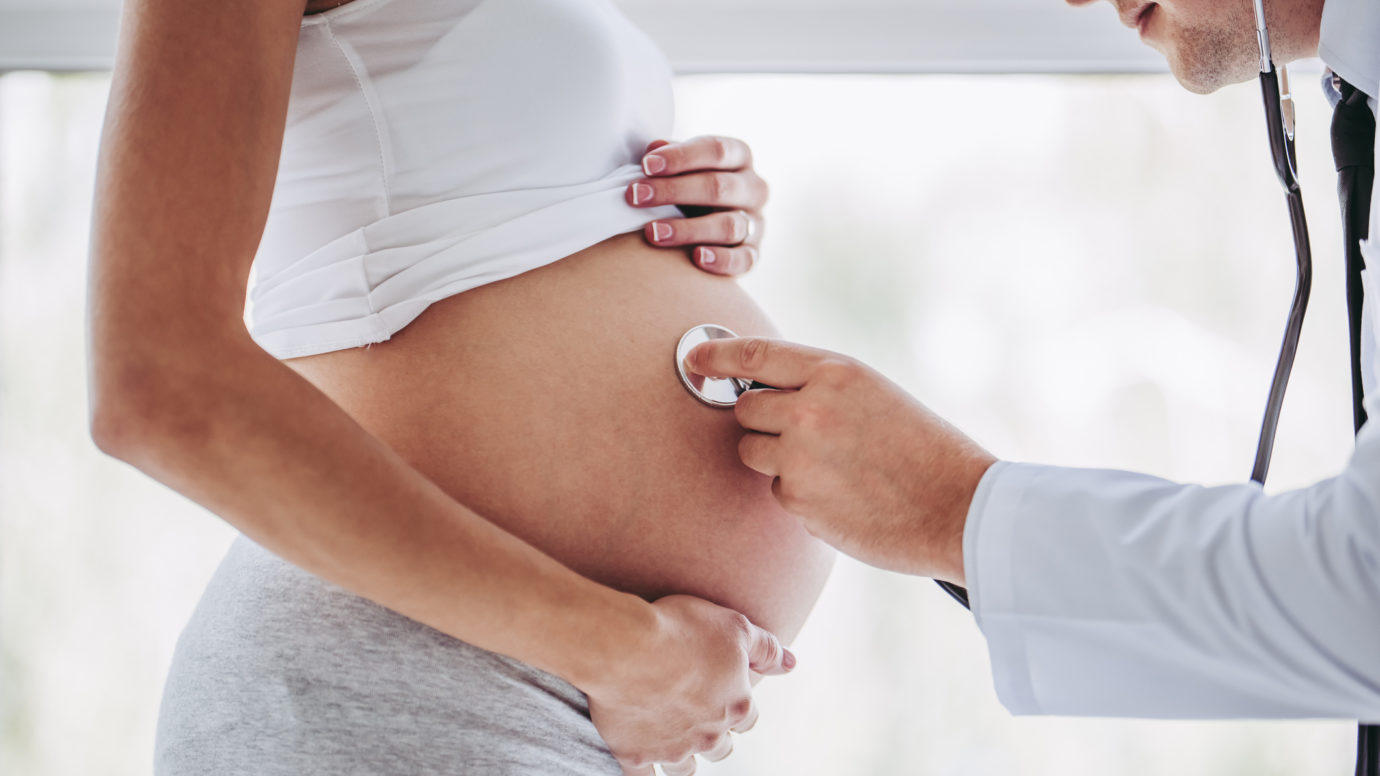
column 549, row 403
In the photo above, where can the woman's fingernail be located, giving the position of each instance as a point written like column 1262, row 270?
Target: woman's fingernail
column 706, row 256
column 788, row 659
column 653, row 164
column 641, row 192
column 661, row 231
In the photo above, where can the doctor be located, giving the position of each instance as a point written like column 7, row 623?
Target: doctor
column 1102, row 592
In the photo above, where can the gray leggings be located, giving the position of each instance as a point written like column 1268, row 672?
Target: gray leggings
column 281, row 672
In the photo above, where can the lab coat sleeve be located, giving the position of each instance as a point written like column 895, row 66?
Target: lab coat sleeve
column 1107, row 593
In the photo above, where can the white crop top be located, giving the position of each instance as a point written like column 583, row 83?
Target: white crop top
column 432, row 147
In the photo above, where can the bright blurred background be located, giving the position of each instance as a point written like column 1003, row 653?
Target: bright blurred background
column 1082, row 270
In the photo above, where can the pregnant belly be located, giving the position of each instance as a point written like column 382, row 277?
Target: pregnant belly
column 549, row 404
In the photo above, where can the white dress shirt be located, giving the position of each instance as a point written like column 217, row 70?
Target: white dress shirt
column 1108, row 593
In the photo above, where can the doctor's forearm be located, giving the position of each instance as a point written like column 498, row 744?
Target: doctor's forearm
column 1119, row 594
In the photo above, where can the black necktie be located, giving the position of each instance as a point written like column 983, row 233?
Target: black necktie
column 1353, row 148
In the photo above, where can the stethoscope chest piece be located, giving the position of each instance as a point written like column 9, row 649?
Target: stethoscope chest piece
column 719, row 392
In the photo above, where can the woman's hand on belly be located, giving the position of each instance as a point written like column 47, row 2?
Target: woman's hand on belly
column 679, row 694
column 712, row 180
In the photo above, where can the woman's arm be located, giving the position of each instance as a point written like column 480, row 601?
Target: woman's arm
column 178, row 389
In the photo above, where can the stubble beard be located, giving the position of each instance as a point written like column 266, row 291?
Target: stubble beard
column 1224, row 51
column 1206, row 58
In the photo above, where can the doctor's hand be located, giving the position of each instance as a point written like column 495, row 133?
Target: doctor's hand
column 712, row 180
column 680, row 691
column 864, row 465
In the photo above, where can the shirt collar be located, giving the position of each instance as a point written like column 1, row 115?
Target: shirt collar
column 1349, row 42
column 1334, row 95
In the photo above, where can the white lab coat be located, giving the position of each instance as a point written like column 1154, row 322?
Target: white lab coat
column 1108, row 593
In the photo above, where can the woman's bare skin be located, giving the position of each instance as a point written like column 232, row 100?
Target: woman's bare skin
column 549, row 403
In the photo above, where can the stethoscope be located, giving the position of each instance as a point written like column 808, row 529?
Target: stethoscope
column 718, row 392
column 1279, row 117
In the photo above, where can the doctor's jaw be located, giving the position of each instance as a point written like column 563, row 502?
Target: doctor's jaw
column 1209, row 44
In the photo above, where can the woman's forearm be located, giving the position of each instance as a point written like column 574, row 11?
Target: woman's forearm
column 248, row 438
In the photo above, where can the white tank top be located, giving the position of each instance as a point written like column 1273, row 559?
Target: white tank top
column 432, row 147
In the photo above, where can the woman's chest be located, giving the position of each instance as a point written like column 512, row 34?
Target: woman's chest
column 478, row 95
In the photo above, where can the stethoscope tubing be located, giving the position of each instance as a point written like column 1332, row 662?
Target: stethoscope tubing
column 1303, row 285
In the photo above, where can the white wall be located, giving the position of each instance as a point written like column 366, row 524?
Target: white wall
column 885, row 36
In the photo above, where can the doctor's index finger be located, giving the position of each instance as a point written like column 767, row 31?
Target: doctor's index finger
column 777, row 363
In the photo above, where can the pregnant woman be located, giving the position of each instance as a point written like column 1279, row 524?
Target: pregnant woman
column 470, row 542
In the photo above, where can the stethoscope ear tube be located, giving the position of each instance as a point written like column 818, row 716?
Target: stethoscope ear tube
column 1286, row 169
column 1303, row 284
column 1280, row 130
